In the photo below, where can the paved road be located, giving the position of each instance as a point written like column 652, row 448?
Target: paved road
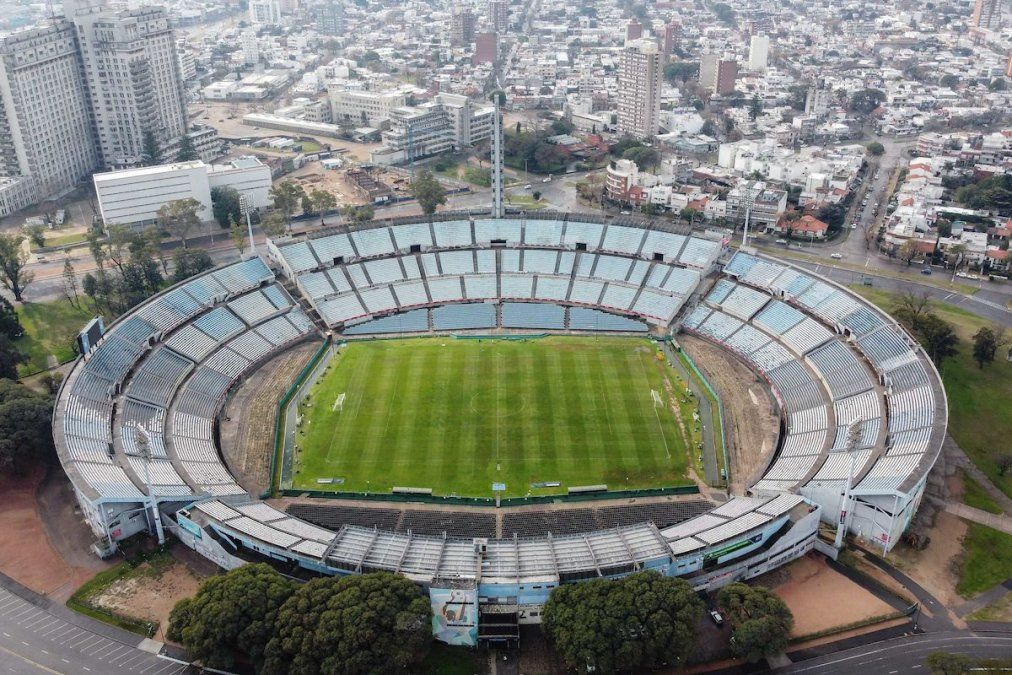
column 906, row 654
column 34, row 640
column 986, row 308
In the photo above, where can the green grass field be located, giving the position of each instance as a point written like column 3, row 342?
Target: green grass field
column 458, row 415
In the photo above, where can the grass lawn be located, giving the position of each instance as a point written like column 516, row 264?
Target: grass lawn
column 50, row 328
column 66, row 239
column 979, row 399
column 987, row 560
column 526, row 201
column 974, row 495
column 83, row 600
column 458, row 415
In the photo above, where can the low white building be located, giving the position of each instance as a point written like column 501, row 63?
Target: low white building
column 133, row 196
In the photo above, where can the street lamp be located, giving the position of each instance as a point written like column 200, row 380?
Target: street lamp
column 245, row 208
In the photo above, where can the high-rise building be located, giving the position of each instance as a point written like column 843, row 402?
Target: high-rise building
column 817, row 99
column 330, row 20
column 498, row 15
column 461, row 25
column 987, row 14
column 671, row 31
column 707, row 70
column 265, row 12
column 639, row 100
column 726, row 77
column 486, row 47
column 132, row 75
column 1008, row 68
column 633, row 31
column 758, row 53
column 250, row 47
column 46, row 139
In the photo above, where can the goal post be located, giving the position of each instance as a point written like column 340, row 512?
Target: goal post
column 656, row 398
column 338, row 403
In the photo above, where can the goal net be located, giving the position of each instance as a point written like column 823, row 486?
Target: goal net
column 656, row 397
column 338, row 403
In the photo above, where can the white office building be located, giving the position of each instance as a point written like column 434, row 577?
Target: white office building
column 448, row 122
column 133, row 196
column 363, row 108
column 639, row 98
column 265, row 12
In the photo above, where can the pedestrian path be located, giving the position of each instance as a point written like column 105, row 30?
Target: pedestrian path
column 996, row 521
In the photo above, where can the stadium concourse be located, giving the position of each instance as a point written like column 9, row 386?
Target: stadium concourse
column 863, row 411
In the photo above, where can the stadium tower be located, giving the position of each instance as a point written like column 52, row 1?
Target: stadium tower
column 498, row 208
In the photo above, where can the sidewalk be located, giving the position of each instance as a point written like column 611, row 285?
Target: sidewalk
column 997, row 522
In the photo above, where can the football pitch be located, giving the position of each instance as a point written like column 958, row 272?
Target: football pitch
column 458, row 415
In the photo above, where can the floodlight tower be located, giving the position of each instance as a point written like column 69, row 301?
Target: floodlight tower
column 749, row 199
column 498, row 205
column 853, row 440
column 246, row 208
column 144, row 445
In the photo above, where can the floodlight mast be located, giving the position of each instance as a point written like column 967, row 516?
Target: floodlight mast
column 853, row 440
column 144, row 445
column 245, row 207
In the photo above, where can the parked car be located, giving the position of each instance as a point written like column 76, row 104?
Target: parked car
column 836, row 256
column 717, row 618
column 782, row 241
column 925, row 270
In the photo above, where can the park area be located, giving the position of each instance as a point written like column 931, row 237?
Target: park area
column 457, row 415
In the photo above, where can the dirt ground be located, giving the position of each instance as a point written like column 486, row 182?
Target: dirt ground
column 26, row 553
column 933, row 567
column 149, row 594
column 812, row 587
column 750, row 422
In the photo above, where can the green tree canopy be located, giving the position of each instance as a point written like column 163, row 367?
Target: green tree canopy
column 992, row 194
column 634, row 623
column 646, row 158
column 369, row 623
column 985, row 346
column 761, row 620
column 428, row 191
column 14, row 272
column 10, row 324
column 187, row 263
column 681, row 71
column 287, row 195
column 25, row 423
column 179, row 217
column 231, row 617
column 225, row 204
column 187, row 151
column 865, row 101
column 151, row 150
column 875, row 149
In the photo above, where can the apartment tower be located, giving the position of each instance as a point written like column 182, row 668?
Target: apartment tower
column 639, row 100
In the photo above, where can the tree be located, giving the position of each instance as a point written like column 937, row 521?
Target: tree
column 875, row 149
column 985, row 346
column 359, row 213
column 323, row 202
column 189, row 263
column 187, row 151
column 25, row 423
column 225, row 204
column 537, row 195
column 761, row 620
column 949, row 81
column 635, row 623
column 992, row 194
column 908, row 251
column 10, row 324
column 681, row 71
column 865, row 101
column 238, row 234
column 151, row 150
column 287, row 195
column 10, row 358
column 644, row 157
column 179, row 216
column 428, row 191
column 14, row 274
column 231, row 616
column 369, row 623
column 273, row 224
column 938, row 337
column 36, row 234
column 70, row 284
column 997, row 84
column 690, row 214
column 755, row 107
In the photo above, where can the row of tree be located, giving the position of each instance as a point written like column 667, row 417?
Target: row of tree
column 381, row 622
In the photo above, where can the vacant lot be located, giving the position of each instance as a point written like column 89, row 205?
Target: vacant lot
column 458, row 415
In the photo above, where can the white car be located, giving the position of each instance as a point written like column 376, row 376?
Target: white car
column 527, row 187
column 836, row 256
column 546, row 180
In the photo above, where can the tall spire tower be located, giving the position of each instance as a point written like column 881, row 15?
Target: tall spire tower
column 498, row 204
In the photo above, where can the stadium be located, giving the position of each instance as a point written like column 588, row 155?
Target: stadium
column 573, row 319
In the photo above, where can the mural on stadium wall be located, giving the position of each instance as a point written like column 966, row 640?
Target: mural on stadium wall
column 455, row 615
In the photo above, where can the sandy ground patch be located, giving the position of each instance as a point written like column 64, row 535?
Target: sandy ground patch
column 150, row 595
column 933, row 568
column 26, row 553
column 813, row 588
column 749, row 420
